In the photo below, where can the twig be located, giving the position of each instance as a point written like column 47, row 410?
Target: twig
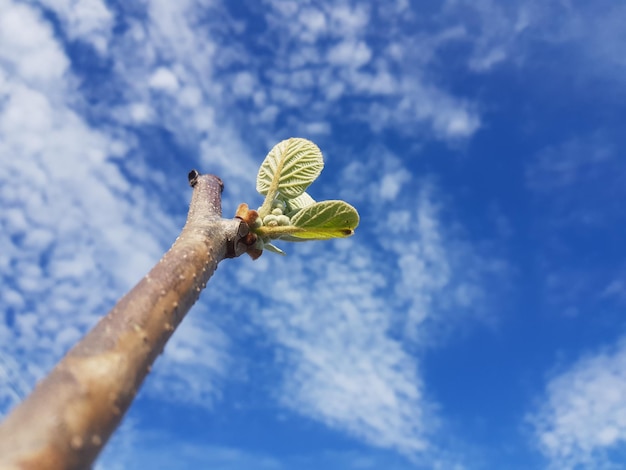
column 67, row 419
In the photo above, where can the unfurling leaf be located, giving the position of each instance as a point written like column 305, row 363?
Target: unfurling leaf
column 300, row 202
column 275, row 249
column 289, row 168
column 323, row 220
column 288, row 213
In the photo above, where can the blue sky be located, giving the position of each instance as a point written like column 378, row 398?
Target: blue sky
column 474, row 321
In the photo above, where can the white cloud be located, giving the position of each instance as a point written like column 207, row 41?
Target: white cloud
column 76, row 233
column 350, row 53
column 454, row 121
column 442, row 278
column 87, row 20
column 583, row 416
column 340, row 365
column 195, row 361
column 615, row 289
column 347, row 345
column 132, row 447
column 495, row 29
column 579, row 185
column 391, row 184
column 244, row 84
column 140, row 113
column 345, row 340
column 504, row 33
column 349, row 18
column 590, row 33
column 164, row 79
column 27, row 47
column 15, row 386
column 579, row 181
column 346, row 317
column 314, row 22
column 284, row 88
column 389, row 80
column 570, row 163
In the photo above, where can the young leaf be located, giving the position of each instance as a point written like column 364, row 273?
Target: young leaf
column 289, row 168
column 326, row 219
column 300, row 202
column 274, row 249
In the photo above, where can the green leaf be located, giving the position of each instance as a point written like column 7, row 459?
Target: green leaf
column 326, row 219
column 274, row 249
column 300, row 202
column 289, row 168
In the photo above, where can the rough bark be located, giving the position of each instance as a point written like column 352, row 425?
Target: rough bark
column 67, row 419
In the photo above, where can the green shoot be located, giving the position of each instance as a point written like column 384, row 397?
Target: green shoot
column 289, row 213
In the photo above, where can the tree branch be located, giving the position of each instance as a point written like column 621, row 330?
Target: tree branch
column 66, row 420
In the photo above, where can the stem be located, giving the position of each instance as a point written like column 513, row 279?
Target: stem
column 275, row 232
column 66, row 420
column 266, row 207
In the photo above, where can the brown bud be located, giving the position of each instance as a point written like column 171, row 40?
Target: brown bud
column 246, row 214
column 254, row 253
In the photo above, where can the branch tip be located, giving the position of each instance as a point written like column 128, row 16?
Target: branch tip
column 193, row 177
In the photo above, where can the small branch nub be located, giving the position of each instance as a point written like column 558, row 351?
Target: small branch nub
column 193, row 177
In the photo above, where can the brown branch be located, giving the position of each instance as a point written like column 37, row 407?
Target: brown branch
column 66, row 420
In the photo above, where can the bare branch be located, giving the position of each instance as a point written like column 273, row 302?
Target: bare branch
column 72, row 412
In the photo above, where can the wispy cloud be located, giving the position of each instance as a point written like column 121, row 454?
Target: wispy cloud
column 582, row 179
column 133, row 447
column 74, row 234
column 585, row 36
column 495, row 30
column 196, row 361
column 346, row 319
column 128, row 449
column 579, row 185
column 341, row 365
column 85, row 20
column 334, row 64
column 438, row 275
column 581, row 422
column 15, row 386
column 593, row 32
